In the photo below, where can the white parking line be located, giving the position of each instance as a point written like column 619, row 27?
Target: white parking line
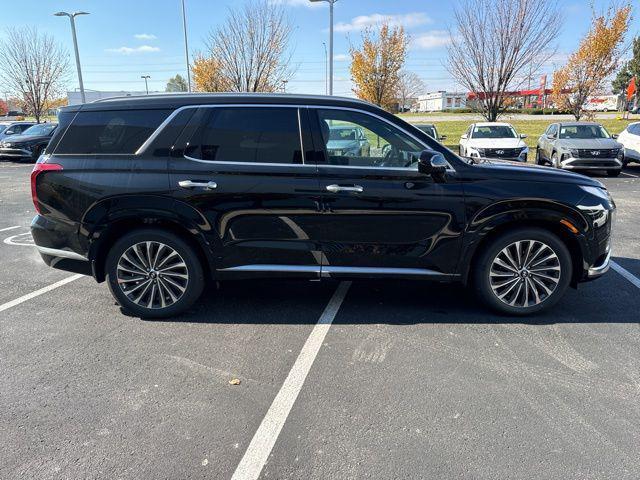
column 37, row 293
column 265, row 437
column 9, row 228
column 630, row 175
column 626, row 274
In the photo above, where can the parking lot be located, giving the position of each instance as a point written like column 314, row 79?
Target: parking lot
column 337, row 381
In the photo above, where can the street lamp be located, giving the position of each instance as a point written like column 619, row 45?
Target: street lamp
column 72, row 17
column 186, row 47
column 326, row 61
column 146, row 85
column 330, row 2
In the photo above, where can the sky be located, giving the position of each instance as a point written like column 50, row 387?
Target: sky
column 121, row 40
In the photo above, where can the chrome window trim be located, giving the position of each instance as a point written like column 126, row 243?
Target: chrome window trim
column 265, row 164
column 157, row 132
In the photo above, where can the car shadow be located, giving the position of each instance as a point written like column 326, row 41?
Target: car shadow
column 610, row 299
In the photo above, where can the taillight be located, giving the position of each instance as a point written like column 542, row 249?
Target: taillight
column 38, row 168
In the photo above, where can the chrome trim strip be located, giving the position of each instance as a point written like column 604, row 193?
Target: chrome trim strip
column 329, row 269
column 55, row 252
column 300, row 134
column 261, row 164
column 273, row 268
column 596, row 271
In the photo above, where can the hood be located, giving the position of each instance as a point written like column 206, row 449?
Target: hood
column 496, row 143
column 24, row 138
column 589, row 143
column 526, row 172
column 336, row 144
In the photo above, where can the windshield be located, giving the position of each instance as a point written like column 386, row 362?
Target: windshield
column 3, row 128
column 42, row 129
column 583, row 131
column 429, row 130
column 494, row 131
column 342, row 134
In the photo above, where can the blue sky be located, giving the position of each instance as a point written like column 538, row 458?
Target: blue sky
column 122, row 40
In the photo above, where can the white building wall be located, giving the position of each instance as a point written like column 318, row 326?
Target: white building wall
column 438, row 101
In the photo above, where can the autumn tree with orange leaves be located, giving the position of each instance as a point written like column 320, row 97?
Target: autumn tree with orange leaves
column 596, row 58
column 206, row 75
column 376, row 65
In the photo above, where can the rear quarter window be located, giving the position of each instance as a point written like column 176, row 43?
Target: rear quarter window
column 110, row 132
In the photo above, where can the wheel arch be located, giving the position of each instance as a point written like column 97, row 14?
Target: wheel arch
column 110, row 219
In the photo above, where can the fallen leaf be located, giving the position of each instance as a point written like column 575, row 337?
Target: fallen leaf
column 234, row 381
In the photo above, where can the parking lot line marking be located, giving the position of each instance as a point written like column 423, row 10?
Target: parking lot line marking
column 626, row 274
column 265, row 437
column 630, row 175
column 37, row 293
column 9, row 228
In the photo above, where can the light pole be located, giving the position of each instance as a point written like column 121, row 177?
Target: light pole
column 284, row 86
column 330, row 2
column 326, row 61
column 72, row 17
column 146, row 85
column 186, row 47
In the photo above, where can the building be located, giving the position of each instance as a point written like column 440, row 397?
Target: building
column 441, row 100
column 75, row 98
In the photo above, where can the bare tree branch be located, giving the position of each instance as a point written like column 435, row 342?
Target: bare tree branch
column 409, row 86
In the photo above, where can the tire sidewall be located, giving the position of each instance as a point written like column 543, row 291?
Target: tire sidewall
column 194, row 269
column 483, row 265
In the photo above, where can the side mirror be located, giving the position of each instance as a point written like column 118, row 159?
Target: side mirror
column 551, row 137
column 522, row 135
column 463, row 136
column 432, row 163
column 443, row 137
column 614, row 136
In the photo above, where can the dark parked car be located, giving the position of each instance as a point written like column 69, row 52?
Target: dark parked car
column 348, row 140
column 157, row 194
column 13, row 128
column 431, row 130
column 29, row 144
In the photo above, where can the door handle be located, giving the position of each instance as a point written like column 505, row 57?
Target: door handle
column 337, row 188
column 192, row 184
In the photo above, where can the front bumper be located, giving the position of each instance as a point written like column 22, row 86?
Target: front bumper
column 600, row 268
column 15, row 152
column 573, row 163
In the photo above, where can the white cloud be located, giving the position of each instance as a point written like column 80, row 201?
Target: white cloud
column 431, row 39
column 406, row 20
column 133, row 50
column 145, row 36
column 341, row 57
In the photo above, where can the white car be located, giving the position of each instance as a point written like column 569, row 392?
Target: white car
column 630, row 138
column 493, row 140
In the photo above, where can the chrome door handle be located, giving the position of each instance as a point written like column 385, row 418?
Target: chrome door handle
column 337, row 188
column 192, row 184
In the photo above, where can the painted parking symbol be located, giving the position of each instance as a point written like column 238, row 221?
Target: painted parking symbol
column 21, row 239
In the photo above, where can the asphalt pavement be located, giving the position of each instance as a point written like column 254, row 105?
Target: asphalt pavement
column 374, row 379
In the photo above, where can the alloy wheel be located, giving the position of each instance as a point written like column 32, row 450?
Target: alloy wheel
column 525, row 273
column 152, row 275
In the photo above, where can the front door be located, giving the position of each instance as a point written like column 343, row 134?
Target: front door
column 381, row 215
column 244, row 170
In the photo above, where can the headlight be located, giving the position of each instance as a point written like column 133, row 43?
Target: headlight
column 574, row 153
column 620, row 154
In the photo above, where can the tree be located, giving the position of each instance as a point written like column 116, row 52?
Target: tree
column 207, row 76
column 376, row 65
column 495, row 42
column 251, row 48
column 629, row 70
column 4, row 108
column 409, row 86
column 593, row 62
column 34, row 68
column 177, row 84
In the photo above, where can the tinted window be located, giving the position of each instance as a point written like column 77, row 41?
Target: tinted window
column 552, row 130
column 382, row 145
column 248, row 134
column 431, row 131
column 109, row 132
column 634, row 129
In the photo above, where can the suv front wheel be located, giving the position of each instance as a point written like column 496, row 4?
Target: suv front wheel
column 523, row 271
column 154, row 274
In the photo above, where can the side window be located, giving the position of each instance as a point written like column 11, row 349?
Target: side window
column 357, row 139
column 248, row 134
column 110, row 132
column 634, row 129
column 553, row 129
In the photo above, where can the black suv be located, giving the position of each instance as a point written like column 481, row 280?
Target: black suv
column 157, row 194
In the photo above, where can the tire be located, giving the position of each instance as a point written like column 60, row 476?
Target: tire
column 36, row 154
column 163, row 292
column 613, row 173
column 492, row 281
column 538, row 158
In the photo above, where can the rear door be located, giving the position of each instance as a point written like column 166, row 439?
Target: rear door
column 245, row 170
column 383, row 217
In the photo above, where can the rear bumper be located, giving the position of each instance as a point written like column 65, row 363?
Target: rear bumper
column 56, row 243
column 15, row 152
column 572, row 163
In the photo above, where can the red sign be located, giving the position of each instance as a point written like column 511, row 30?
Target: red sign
column 631, row 89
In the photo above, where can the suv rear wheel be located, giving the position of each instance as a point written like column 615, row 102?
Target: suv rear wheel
column 523, row 271
column 154, row 274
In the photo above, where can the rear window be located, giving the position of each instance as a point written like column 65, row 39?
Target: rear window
column 110, row 132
